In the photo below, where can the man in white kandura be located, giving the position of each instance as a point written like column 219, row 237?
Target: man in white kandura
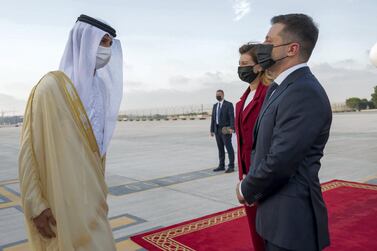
column 69, row 121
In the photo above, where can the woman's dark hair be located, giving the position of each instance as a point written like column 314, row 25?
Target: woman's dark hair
column 249, row 49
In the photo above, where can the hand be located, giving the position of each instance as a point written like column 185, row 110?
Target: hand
column 240, row 198
column 212, row 134
column 42, row 223
column 231, row 131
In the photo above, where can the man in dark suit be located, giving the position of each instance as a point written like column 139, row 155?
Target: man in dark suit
column 289, row 138
column 222, row 126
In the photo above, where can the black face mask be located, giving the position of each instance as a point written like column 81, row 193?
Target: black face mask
column 219, row 98
column 263, row 53
column 246, row 73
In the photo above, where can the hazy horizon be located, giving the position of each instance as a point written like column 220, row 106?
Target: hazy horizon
column 179, row 53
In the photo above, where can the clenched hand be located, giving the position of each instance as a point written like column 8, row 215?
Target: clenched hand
column 43, row 221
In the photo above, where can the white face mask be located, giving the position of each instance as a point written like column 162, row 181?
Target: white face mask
column 103, row 56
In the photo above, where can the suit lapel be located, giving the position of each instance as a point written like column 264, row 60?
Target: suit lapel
column 274, row 96
column 253, row 102
column 280, row 90
column 267, row 104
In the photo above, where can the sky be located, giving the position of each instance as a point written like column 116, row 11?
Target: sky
column 179, row 52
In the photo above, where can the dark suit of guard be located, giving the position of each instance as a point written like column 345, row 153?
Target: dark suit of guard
column 289, row 138
column 223, row 116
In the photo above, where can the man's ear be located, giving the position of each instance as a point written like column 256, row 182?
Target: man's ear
column 294, row 49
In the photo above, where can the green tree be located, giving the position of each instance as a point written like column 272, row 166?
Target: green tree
column 354, row 103
column 371, row 105
column 374, row 97
column 364, row 104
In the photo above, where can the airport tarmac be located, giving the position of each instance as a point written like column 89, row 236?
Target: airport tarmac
column 160, row 173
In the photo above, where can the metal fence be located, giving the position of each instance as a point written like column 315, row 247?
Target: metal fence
column 188, row 112
column 10, row 119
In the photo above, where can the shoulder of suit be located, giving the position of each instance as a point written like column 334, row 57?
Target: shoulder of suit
column 306, row 81
column 305, row 76
column 307, row 86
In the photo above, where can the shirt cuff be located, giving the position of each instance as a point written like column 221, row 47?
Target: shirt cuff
column 240, row 190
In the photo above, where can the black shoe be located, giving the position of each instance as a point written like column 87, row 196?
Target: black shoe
column 229, row 170
column 219, row 169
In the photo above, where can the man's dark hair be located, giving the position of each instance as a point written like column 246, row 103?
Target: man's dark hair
column 249, row 49
column 299, row 28
column 220, row 91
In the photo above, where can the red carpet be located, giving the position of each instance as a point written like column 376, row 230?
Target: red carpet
column 352, row 211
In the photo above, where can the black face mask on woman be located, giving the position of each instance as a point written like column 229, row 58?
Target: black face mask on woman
column 246, row 73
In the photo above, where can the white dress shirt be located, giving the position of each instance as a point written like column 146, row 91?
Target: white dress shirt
column 282, row 76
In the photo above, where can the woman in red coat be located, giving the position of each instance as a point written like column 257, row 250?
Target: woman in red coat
column 247, row 111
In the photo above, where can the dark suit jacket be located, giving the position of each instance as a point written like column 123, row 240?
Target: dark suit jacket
column 291, row 133
column 245, row 121
column 226, row 116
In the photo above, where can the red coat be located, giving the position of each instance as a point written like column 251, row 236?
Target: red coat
column 244, row 123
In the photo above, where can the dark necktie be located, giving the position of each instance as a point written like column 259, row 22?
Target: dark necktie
column 272, row 88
